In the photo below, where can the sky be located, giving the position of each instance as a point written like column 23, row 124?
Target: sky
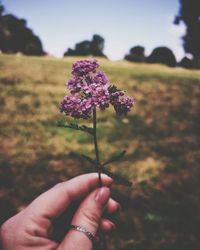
column 123, row 24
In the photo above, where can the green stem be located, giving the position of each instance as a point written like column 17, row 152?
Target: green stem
column 98, row 165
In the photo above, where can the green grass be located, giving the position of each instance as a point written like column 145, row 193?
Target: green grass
column 161, row 135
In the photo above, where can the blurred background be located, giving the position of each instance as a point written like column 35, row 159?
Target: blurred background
column 151, row 49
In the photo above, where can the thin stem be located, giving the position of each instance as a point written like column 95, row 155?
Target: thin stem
column 98, row 165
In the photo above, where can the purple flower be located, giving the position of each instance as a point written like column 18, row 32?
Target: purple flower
column 76, row 108
column 84, row 67
column 123, row 104
column 86, row 108
column 76, row 84
column 114, row 96
column 90, row 88
column 101, row 78
column 99, row 95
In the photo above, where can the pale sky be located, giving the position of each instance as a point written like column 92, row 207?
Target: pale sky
column 122, row 23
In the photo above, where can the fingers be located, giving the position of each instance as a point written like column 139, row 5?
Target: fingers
column 106, row 225
column 112, row 206
column 88, row 216
column 55, row 201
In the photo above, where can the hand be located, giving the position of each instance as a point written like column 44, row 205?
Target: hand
column 33, row 226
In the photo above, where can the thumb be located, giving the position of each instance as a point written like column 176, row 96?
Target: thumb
column 87, row 216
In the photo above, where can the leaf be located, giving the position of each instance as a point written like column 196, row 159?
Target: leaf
column 113, row 89
column 87, row 129
column 89, row 159
column 75, row 126
column 117, row 178
column 60, row 123
column 115, row 158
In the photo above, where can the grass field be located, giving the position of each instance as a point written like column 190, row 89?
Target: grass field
column 161, row 136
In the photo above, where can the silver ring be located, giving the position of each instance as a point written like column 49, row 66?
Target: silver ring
column 85, row 231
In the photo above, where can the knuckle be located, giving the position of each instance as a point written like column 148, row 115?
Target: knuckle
column 4, row 229
column 58, row 185
column 31, row 229
column 91, row 218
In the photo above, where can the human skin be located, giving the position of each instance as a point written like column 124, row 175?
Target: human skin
column 32, row 227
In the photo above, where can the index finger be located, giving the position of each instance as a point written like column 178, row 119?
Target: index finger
column 55, row 201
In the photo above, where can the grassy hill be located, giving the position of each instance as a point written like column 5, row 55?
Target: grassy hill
column 161, row 136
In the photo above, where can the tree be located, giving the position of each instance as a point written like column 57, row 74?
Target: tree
column 88, row 48
column 15, row 36
column 70, row 52
column 186, row 63
column 189, row 14
column 162, row 55
column 83, row 48
column 2, row 9
column 136, row 54
column 97, row 45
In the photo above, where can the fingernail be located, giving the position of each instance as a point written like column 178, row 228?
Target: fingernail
column 119, row 208
column 102, row 195
column 107, row 178
column 113, row 227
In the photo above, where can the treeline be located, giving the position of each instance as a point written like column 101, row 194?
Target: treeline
column 15, row 36
column 162, row 55
column 86, row 48
column 189, row 14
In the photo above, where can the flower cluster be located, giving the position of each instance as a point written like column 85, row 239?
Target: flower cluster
column 75, row 107
column 90, row 88
column 123, row 105
column 84, row 67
